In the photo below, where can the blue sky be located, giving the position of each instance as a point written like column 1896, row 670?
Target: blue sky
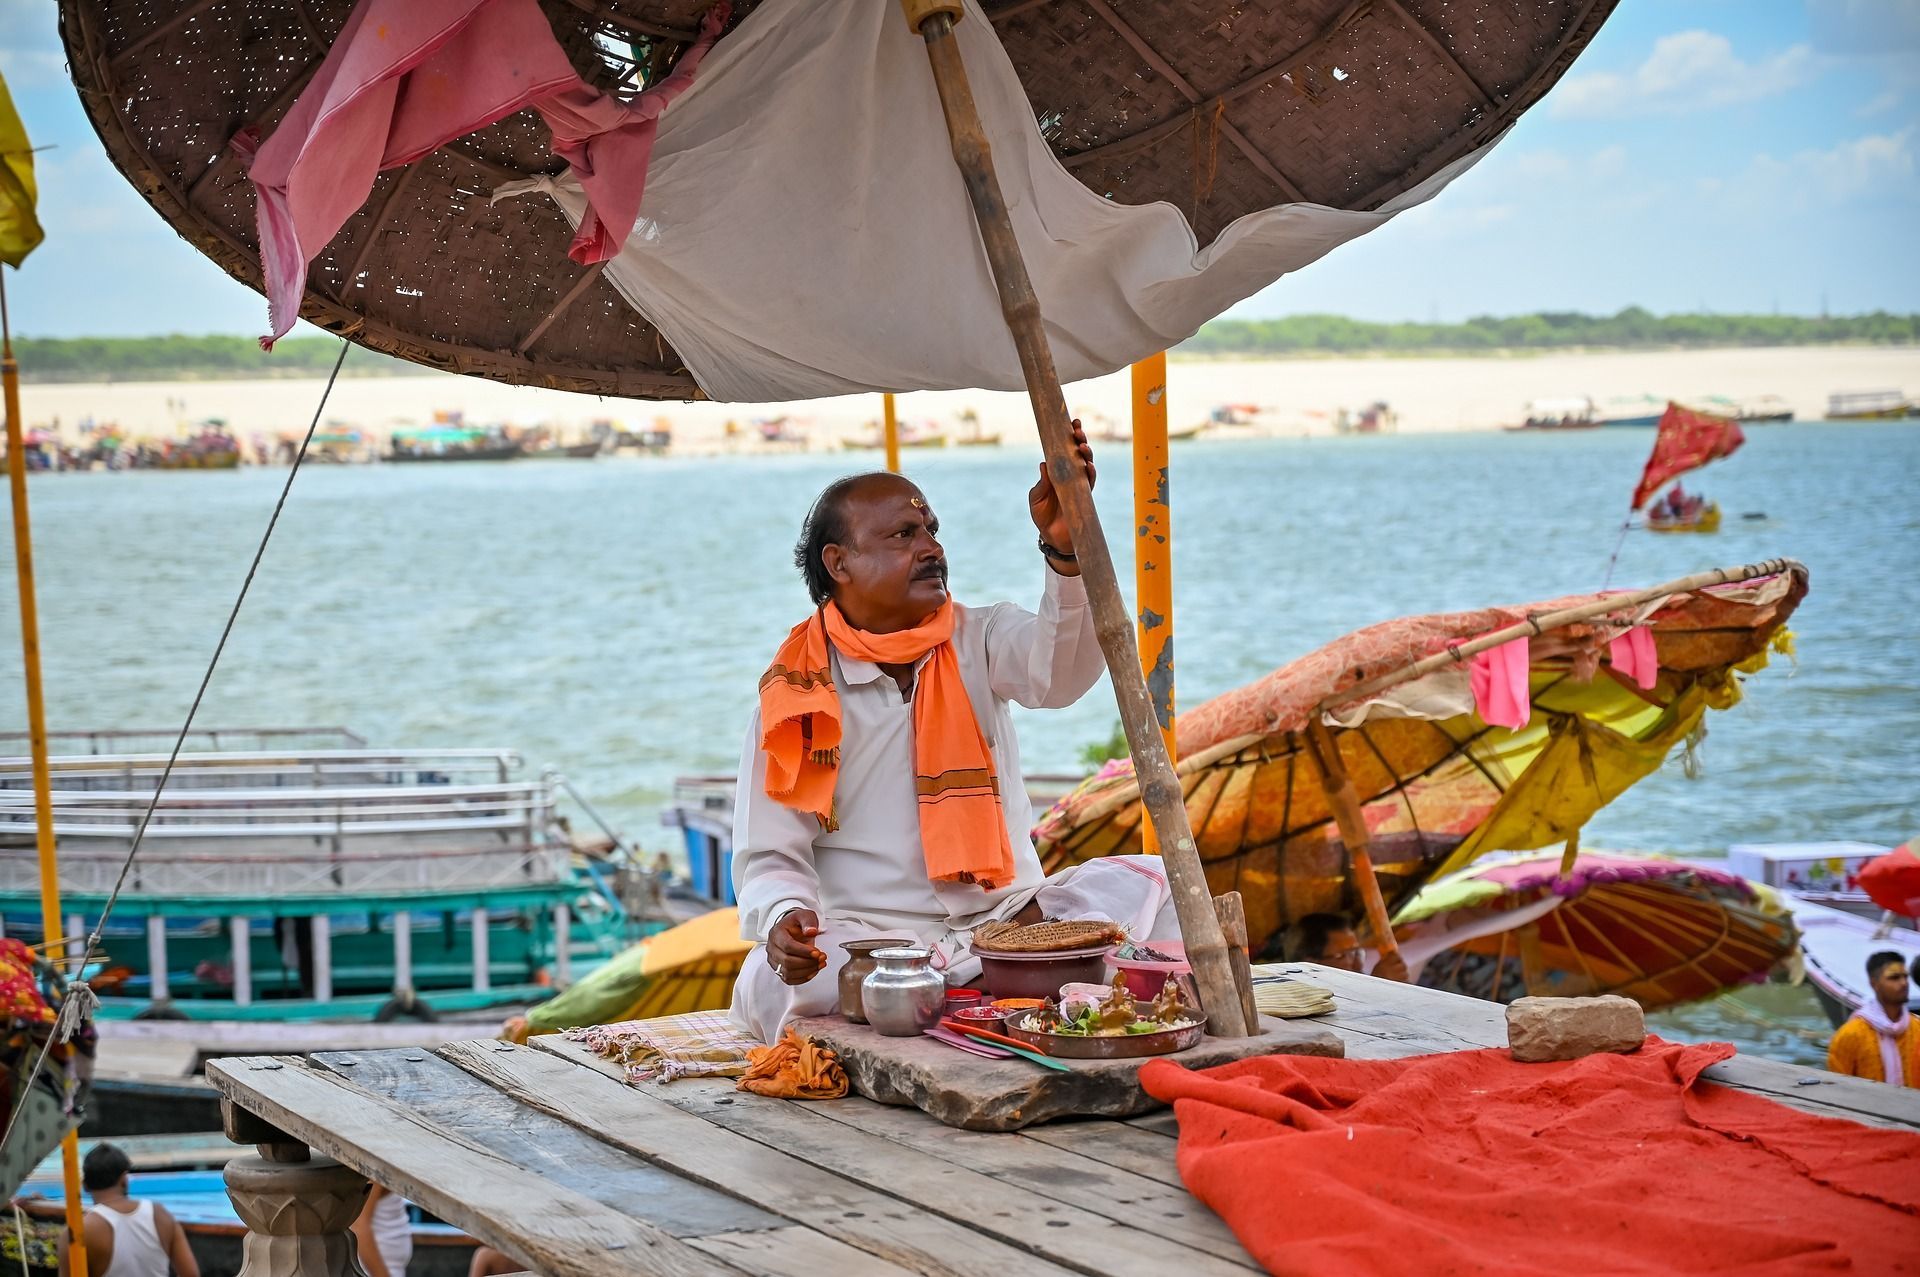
column 1736, row 155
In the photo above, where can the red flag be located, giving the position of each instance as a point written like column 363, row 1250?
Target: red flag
column 1687, row 441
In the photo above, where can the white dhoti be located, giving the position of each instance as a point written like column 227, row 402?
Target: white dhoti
column 1129, row 890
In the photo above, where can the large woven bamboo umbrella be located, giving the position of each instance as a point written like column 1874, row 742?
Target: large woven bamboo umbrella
column 1369, row 148
column 1434, row 784
column 1656, row 930
column 1217, row 109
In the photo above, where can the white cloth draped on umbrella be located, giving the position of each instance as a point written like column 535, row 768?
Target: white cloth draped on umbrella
column 805, row 231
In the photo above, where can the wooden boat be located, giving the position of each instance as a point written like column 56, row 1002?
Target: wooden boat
column 294, row 883
column 1705, row 519
column 1575, row 412
column 1868, row 405
column 1632, row 410
column 1839, row 926
column 568, row 451
column 452, row 443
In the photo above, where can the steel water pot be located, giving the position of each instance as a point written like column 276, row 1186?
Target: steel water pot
column 903, row 996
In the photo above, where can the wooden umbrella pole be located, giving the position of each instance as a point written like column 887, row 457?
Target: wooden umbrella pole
column 1159, row 787
column 1345, row 801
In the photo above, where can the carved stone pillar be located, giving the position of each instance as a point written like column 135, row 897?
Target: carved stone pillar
column 298, row 1216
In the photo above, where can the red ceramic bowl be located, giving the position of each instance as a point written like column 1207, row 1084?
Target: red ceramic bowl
column 1040, row 975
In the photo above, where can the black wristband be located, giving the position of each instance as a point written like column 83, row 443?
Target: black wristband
column 1052, row 553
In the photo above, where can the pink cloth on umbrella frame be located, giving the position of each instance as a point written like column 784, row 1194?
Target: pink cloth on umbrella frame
column 405, row 77
column 1499, row 679
column 1634, row 656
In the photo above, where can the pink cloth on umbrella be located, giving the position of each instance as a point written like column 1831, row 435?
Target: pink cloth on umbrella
column 1500, row 692
column 407, row 76
column 1634, row 656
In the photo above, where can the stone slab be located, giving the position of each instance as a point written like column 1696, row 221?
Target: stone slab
column 978, row 1094
column 1545, row 1029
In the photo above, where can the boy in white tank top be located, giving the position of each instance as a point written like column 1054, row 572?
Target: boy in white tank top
column 126, row 1238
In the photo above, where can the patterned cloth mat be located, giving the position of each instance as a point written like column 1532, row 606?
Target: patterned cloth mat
column 696, row 1044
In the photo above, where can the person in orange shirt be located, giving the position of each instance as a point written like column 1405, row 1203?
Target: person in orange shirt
column 1882, row 1041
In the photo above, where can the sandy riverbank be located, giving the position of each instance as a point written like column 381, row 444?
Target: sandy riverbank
column 1302, row 396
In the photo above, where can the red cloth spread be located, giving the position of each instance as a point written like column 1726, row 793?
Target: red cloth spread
column 1470, row 1163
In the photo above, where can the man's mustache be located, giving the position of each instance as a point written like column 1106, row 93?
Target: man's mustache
column 932, row 572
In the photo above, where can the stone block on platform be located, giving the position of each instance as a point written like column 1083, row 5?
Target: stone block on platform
column 1543, row 1029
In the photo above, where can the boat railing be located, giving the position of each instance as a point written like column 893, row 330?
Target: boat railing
column 161, row 871
column 139, row 740
column 255, row 769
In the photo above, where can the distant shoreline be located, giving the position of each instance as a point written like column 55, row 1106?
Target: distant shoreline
column 389, row 367
column 1294, row 397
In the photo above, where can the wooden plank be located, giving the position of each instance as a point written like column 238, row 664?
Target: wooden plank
column 1092, row 1183
column 1818, row 1091
column 454, row 1101
column 793, row 1252
column 1126, row 1145
column 574, row 1090
column 561, row 1232
column 1068, row 1235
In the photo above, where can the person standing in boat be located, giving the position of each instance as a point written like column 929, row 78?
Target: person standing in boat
column 1881, row 1042
column 880, row 790
column 126, row 1238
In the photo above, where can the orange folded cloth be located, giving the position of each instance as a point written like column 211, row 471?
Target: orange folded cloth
column 794, row 1068
column 963, row 831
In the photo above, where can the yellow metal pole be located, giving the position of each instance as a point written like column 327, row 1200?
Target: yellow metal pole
column 1153, row 538
column 51, row 931
column 1153, row 552
column 890, row 428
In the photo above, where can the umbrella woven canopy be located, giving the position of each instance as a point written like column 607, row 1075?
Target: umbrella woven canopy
column 1645, row 927
column 1217, row 110
column 1437, row 785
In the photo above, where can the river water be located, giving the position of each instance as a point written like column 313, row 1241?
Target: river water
column 612, row 617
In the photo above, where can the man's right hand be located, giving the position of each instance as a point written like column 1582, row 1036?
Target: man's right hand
column 790, row 948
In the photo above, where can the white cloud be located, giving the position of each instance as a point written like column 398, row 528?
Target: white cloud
column 1880, row 105
column 1879, row 166
column 1687, row 71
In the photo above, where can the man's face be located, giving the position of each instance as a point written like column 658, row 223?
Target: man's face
column 890, row 573
column 1890, row 986
column 1343, row 950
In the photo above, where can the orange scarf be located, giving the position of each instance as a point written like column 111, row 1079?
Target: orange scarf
column 963, row 831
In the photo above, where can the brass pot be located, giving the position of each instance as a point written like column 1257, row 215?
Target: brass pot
column 856, row 970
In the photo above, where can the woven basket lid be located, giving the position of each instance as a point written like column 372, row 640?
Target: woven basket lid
column 1217, row 108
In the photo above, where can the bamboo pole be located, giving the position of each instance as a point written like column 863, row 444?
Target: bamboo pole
column 1459, row 653
column 50, row 931
column 890, row 431
column 1159, row 787
column 1345, row 801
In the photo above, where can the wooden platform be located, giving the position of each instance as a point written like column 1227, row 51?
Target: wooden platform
column 978, row 1094
column 542, row 1153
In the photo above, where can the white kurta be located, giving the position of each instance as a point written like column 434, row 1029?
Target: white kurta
column 868, row 878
